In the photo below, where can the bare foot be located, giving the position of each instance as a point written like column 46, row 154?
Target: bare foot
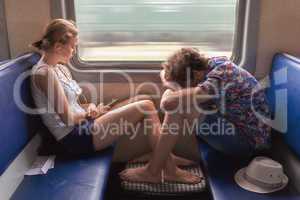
column 179, row 161
column 142, row 159
column 140, row 174
column 182, row 176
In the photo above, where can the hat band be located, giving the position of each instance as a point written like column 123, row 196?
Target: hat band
column 262, row 184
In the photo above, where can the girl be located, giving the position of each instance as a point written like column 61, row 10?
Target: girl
column 76, row 125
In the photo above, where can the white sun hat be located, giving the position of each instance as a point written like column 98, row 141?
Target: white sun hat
column 262, row 175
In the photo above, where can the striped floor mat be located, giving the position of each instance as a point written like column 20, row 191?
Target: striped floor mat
column 166, row 187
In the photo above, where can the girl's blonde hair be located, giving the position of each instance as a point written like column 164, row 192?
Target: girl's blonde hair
column 58, row 30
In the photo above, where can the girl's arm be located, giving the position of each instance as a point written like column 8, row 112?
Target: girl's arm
column 87, row 106
column 48, row 83
column 95, row 111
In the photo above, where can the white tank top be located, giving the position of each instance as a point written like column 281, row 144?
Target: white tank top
column 72, row 90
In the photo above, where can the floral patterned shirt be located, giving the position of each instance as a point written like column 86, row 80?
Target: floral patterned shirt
column 239, row 98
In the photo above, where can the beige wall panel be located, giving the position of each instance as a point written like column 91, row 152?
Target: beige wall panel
column 25, row 22
column 279, row 31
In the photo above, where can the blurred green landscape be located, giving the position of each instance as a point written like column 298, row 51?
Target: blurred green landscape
column 143, row 26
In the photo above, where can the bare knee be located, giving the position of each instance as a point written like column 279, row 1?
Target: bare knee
column 168, row 104
column 147, row 105
column 142, row 97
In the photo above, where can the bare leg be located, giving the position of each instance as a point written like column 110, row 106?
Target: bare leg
column 133, row 113
column 132, row 100
column 160, row 159
column 142, row 110
column 107, row 128
column 179, row 161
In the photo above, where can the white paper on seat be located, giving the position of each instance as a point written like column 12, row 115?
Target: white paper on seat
column 41, row 165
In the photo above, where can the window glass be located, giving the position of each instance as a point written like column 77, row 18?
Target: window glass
column 149, row 30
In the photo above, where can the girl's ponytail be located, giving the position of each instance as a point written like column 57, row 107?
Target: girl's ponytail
column 38, row 44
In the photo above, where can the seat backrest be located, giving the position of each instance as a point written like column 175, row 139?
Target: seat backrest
column 16, row 126
column 284, row 97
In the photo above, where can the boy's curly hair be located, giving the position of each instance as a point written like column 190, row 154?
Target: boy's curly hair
column 182, row 63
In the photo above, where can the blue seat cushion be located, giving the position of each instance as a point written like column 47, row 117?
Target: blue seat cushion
column 76, row 179
column 284, row 97
column 220, row 171
column 3, row 62
column 15, row 127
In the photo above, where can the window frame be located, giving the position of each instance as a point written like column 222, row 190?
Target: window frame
column 4, row 47
column 247, row 46
column 243, row 51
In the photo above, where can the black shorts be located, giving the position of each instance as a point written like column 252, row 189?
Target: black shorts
column 80, row 139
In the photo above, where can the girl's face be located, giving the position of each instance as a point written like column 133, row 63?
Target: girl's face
column 66, row 51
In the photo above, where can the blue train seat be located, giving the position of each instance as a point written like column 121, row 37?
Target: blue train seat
column 83, row 178
column 220, row 169
column 72, row 178
column 15, row 132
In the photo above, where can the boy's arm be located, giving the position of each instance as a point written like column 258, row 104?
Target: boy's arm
column 185, row 97
column 169, row 84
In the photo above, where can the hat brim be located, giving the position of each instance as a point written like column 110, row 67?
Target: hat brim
column 241, row 181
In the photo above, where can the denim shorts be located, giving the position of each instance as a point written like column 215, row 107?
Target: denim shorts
column 80, row 139
column 223, row 136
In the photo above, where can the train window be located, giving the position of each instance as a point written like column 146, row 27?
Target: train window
column 149, row 30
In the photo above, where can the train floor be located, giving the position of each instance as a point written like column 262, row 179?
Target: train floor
column 115, row 192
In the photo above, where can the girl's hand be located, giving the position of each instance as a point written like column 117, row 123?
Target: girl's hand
column 92, row 111
column 102, row 109
column 168, row 84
